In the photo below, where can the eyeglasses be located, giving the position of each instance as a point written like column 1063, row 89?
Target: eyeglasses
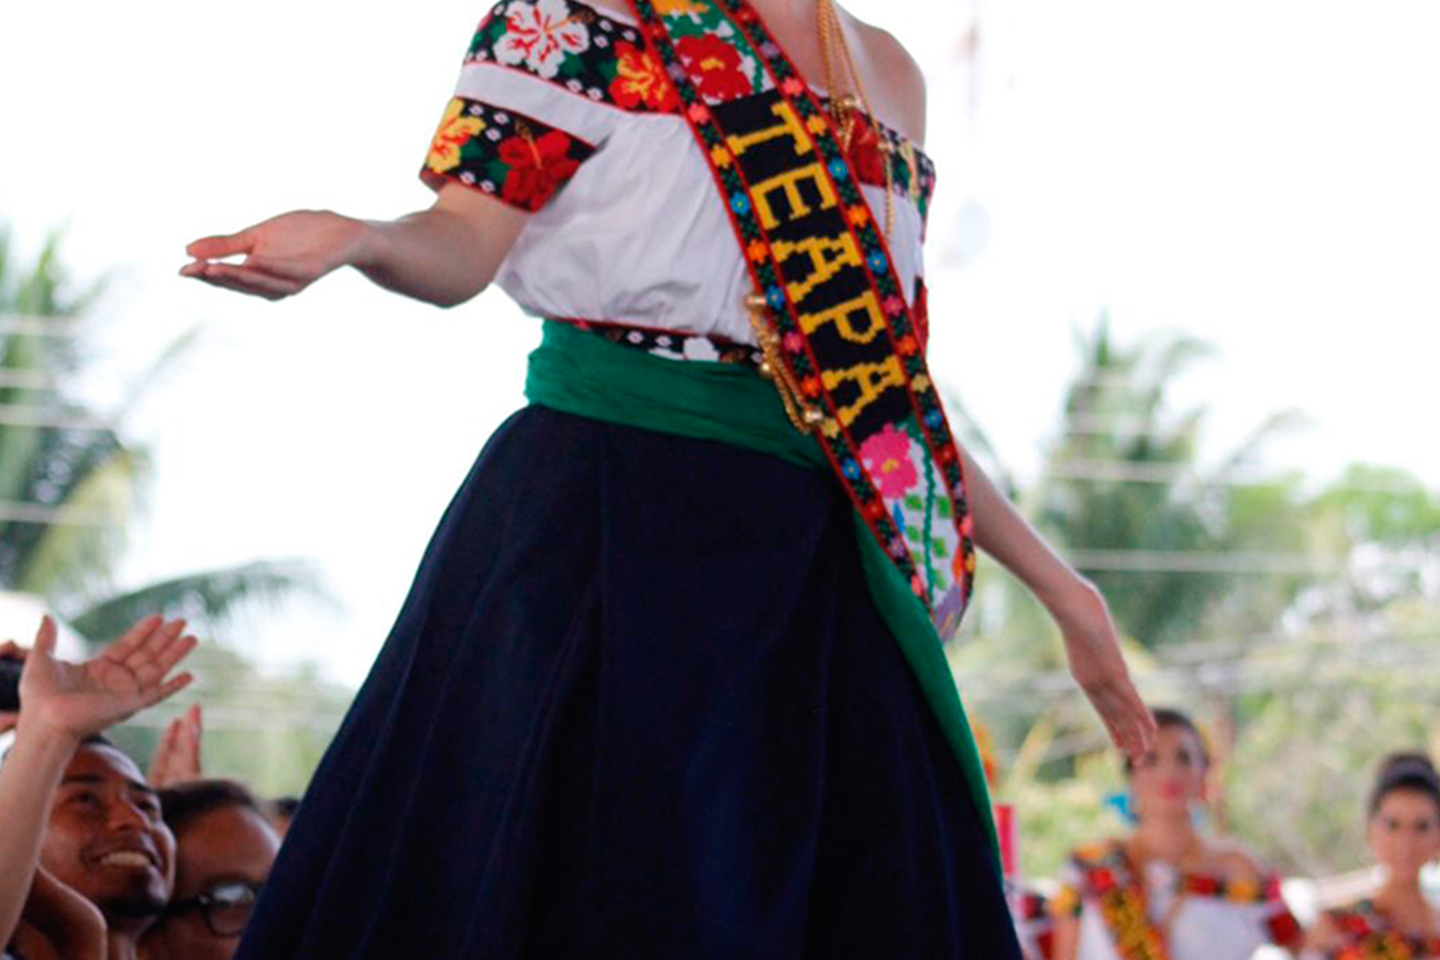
column 225, row 907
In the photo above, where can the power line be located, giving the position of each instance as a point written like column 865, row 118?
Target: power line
column 11, row 512
column 29, row 325
column 1199, row 561
column 18, row 415
column 26, row 380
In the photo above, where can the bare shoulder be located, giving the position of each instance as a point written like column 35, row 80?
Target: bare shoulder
column 1324, row 934
column 1235, row 862
column 899, row 94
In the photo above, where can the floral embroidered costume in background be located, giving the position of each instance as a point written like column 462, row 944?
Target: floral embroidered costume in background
column 1165, row 914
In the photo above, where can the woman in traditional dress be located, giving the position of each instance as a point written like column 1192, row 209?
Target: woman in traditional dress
column 670, row 681
column 1167, row 892
column 1398, row 922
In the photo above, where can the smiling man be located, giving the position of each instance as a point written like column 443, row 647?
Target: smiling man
column 108, row 842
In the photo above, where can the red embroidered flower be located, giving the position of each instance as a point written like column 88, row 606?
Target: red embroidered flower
column 1355, row 924
column 920, row 313
column 865, row 152
column 811, row 386
column 538, row 167
column 887, row 457
column 639, row 79
column 715, row 67
column 1203, row 885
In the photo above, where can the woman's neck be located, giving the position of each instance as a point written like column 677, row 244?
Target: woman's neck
column 1167, row 838
column 1405, row 905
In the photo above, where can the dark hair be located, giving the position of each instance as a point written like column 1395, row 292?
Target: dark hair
column 1405, row 771
column 1170, row 718
column 184, row 802
column 284, row 806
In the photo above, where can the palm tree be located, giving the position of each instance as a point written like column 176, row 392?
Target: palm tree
column 1169, row 542
column 70, row 485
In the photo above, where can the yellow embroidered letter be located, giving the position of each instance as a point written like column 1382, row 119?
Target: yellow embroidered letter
column 863, row 307
column 872, row 379
column 789, row 125
column 827, row 256
column 789, row 182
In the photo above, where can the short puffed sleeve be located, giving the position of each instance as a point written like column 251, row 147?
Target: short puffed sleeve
column 544, row 84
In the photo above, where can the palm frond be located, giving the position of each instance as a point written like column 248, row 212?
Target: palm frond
column 208, row 599
column 70, row 558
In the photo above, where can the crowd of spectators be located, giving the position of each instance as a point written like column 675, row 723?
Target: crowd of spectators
column 100, row 860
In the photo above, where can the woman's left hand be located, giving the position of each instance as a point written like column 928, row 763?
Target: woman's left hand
column 1093, row 652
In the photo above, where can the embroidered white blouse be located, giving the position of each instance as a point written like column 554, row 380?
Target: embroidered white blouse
column 1201, row 927
column 559, row 109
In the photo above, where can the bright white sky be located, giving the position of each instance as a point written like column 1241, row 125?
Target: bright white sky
column 1261, row 174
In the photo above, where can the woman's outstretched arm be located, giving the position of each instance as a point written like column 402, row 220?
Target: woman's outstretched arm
column 444, row 255
column 1078, row 608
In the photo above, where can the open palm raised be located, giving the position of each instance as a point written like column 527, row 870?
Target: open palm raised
column 80, row 699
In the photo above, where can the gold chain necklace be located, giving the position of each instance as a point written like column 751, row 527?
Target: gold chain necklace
column 843, row 106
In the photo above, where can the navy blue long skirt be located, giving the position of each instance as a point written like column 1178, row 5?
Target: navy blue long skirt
column 638, row 704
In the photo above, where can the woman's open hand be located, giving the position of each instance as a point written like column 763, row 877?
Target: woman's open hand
column 283, row 255
column 1093, row 652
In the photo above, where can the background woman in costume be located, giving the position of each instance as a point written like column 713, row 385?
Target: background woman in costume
column 1167, row 891
column 666, row 645
column 1398, row 922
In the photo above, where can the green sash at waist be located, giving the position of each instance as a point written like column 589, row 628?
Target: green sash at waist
column 576, row 371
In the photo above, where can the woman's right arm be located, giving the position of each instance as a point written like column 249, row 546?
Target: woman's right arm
column 444, row 255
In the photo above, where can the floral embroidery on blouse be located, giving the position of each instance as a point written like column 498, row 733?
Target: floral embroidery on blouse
column 1368, row 935
column 587, row 54
column 542, row 35
column 640, row 81
column 518, row 158
column 457, row 128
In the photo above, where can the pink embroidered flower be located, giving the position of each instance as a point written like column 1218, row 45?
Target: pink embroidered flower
column 699, row 113
column 794, row 342
column 541, row 35
column 538, row 167
column 894, row 306
column 715, row 66
column 792, row 87
column 887, row 457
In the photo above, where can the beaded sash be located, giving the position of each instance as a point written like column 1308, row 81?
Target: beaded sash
column 837, row 334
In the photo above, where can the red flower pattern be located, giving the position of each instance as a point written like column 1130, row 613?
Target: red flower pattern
column 641, row 81
column 714, row 65
column 538, row 167
column 865, row 153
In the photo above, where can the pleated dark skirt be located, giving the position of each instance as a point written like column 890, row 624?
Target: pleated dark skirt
column 638, row 704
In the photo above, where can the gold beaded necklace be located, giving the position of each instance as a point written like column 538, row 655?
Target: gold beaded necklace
column 844, row 106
